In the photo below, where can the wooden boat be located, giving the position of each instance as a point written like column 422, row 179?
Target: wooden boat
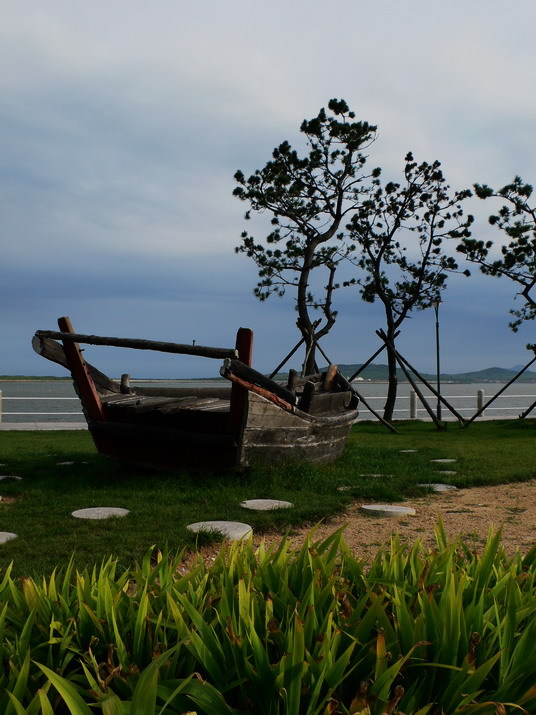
column 252, row 420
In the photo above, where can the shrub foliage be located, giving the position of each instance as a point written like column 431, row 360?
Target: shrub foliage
column 278, row 630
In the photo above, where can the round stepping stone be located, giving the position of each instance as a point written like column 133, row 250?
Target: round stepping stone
column 442, row 461
column 438, row 487
column 10, row 476
column 100, row 512
column 344, row 489
column 373, row 475
column 266, row 504
column 6, row 536
column 447, row 471
column 232, row 530
column 407, row 451
column 388, row 510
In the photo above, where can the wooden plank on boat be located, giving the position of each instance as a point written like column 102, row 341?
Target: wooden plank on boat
column 292, row 381
column 264, row 413
column 219, row 406
column 120, row 399
column 259, row 408
column 138, row 344
column 299, row 382
column 214, row 403
column 236, row 369
column 291, row 425
column 260, row 391
column 319, row 451
column 330, row 378
column 136, row 404
column 205, row 404
column 323, row 403
column 306, row 399
column 141, row 404
column 223, row 392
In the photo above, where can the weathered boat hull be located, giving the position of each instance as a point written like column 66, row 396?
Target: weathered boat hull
column 272, row 435
column 254, row 421
column 161, row 448
column 269, row 435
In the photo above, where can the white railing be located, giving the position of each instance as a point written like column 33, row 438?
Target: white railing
column 407, row 406
column 34, row 413
column 416, row 410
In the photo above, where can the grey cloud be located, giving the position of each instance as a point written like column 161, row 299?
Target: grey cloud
column 122, row 126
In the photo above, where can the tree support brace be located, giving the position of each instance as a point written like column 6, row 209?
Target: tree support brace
column 505, row 387
column 366, row 364
column 356, row 393
column 412, row 382
column 432, row 389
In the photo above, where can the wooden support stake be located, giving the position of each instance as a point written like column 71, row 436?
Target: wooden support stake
column 237, row 406
column 244, row 345
column 125, row 383
column 307, row 397
column 292, row 380
column 329, row 377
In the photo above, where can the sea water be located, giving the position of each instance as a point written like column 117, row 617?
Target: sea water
column 56, row 400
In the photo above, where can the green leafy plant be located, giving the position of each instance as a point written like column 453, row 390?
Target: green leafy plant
column 276, row 630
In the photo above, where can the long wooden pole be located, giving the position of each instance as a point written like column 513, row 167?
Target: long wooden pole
column 291, row 353
column 366, row 364
column 488, row 403
column 431, row 388
column 527, row 411
column 138, row 344
column 361, row 398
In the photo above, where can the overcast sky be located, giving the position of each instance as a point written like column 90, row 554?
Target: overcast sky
column 123, row 123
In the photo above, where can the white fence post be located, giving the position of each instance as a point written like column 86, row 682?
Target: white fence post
column 0, row 405
column 413, row 405
column 480, row 400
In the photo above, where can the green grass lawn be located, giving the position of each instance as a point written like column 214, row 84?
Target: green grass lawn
column 38, row 508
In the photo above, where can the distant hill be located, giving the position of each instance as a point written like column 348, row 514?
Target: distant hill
column 491, row 374
column 374, row 373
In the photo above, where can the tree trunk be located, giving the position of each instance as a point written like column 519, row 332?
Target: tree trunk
column 310, row 356
column 389, row 407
